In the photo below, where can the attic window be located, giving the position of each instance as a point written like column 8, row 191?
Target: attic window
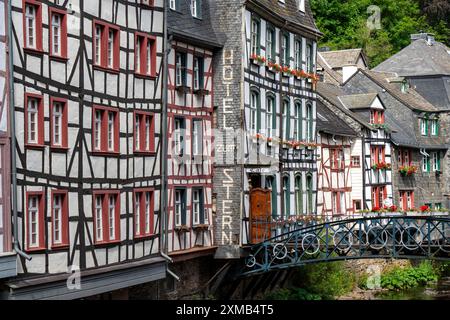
column 405, row 86
column 196, row 8
column 301, row 5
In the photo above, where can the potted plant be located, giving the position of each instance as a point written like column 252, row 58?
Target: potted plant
column 407, row 171
column 257, row 59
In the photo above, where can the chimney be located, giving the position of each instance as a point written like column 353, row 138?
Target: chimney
column 324, row 49
column 428, row 37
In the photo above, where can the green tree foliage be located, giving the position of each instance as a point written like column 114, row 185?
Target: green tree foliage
column 406, row 278
column 344, row 24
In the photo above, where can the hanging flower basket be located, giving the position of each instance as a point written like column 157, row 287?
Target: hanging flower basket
column 381, row 166
column 407, row 171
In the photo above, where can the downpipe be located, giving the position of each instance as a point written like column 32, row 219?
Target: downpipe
column 13, row 138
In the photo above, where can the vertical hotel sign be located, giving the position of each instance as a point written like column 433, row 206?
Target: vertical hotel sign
column 228, row 150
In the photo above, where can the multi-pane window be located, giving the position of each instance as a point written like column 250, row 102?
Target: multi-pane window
column 426, row 163
column 145, row 55
column 309, row 122
column 254, row 105
column 60, row 218
column 58, row 33
column 337, row 159
column 34, row 123
column 32, row 22
column 106, row 216
column 309, row 187
column 144, row 135
column 196, row 8
column 180, row 207
column 270, row 116
column 285, row 56
column 287, row 196
column 436, row 160
column 198, row 214
column 179, row 136
column 35, row 221
column 377, row 154
column 173, row 4
column 298, row 195
column 404, row 157
column 270, row 44
column 143, row 212
column 434, row 127
column 181, row 66
column 298, row 54
column 338, row 202
column 379, row 194
column 424, row 127
column 106, row 45
column 286, row 119
column 271, row 184
column 255, row 35
column 298, row 121
column 356, row 161
column 197, row 137
column 198, row 73
column 377, row 117
column 406, row 200
column 309, row 58
column 105, row 131
column 58, row 123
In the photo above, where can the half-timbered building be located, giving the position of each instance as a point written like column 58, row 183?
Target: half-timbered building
column 334, row 163
column 190, row 121
column 87, row 108
column 266, row 174
column 7, row 258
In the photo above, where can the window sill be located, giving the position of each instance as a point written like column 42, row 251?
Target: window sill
column 201, row 227
column 106, row 69
column 36, row 250
column 106, row 243
column 183, row 89
column 145, row 76
column 202, row 92
column 59, row 149
column 145, row 237
column 56, row 247
column 34, row 146
column 59, row 58
column 182, row 229
column 34, row 51
column 105, row 153
column 145, row 153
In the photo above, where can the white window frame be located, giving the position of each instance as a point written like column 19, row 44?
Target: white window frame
column 33, row 119
column 58, row 110
column 196, row 74
column 137, row 130
column 435, row 160
column 99, row 217
column 33, row 218
column 148, row 61
column 194, row 8
column 269, row 43
column 178, row 136
column 112, row 217
column 297, row 121
column 137, row 215
column 147, row 212
column 56, row 33
column 111, row 130
column 30, row 25
column 179, row 71
column 269, row 116
column 197, row 127
column 57, row 218
column 98, row 44
column 254, row 36
column 425, row 163
column 147, row 131
column 253, row 112
column 434, row 127
column 423, row 127
column 298, row 54
column 196, row 206
column 178, row 207
column 138, row 54
column 111, row 48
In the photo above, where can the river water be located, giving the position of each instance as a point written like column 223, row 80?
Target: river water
column 439, row 291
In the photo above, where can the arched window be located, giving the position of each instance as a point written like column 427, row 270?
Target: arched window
column 270, row 115
column 309, row 187
column 255, row 113
column 271, row 184
column 309, row 122
column 286, row 119
column 298, row 195
column 287, row 196
column 255, row 36
column 298, row 121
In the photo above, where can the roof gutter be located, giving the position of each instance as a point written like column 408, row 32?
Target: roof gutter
column 12, row 119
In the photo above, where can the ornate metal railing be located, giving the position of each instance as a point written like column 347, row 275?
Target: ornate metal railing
column 401, row 237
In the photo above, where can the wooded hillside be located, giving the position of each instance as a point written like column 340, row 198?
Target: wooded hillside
column 344, row 24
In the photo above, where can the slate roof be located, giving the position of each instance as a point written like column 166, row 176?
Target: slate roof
column 185, row 27
column 341, row 58
column 289, row 11
column 358, row 101
column 419, row 59
column 331, row 93
column 330, row 123
column 330, row 75
column 411, row 98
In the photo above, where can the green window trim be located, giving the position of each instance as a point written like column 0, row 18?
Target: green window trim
column 309, row 185
column 298, row 59
column 299, row 195
column 286, row 55
column 298, row 104
column 287, row 197
column 287, row 125
column 274, row 199
column 271, row 30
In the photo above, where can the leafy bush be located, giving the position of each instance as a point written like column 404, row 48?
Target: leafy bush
column 401, row 279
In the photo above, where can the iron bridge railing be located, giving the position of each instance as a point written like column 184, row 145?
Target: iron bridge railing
column 401, row 237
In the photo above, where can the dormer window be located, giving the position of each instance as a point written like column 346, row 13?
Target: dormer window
column 173, row 4
column 377, row 117
column 196, row 8
column 301, row 5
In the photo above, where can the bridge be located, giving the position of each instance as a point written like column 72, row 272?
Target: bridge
column 366, row 237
